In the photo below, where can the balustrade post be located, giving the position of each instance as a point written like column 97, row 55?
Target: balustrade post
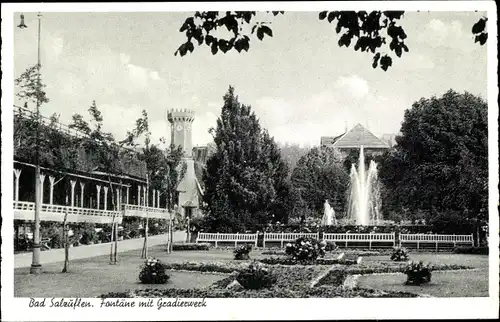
column 282, row 238
column 216, row 239
column 106, row 197
column 98, row 187
column 17, row 174
column 42, row 180
column 82, row 187
column 51, row 195
column 73, row 183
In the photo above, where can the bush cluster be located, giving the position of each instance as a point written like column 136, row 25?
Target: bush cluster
column 471, row 250
column 418, row 273
column 242, row 252
column 255, row 277
column 306, row 249
column 153, row 272
column 399, row 254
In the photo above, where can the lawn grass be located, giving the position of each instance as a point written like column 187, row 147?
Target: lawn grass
column 94, row 276
column 443, row 284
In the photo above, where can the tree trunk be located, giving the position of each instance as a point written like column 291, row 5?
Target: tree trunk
column 66, row 243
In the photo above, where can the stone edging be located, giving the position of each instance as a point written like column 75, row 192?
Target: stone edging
column 195, row 271
column 320, row 277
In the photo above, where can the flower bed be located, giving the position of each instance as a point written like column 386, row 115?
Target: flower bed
column 394, row 267
column 291, row 261
column 220, row 267
column 190, row 246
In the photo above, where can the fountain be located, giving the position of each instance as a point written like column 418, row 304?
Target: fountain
column 364, row 196
column 329, row 215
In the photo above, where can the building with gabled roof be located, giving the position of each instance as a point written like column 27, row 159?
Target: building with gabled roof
column 355, row 138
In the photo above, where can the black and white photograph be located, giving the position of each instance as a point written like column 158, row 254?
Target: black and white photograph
column 176, row 160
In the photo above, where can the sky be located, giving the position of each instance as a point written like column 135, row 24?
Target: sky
column 300, row 83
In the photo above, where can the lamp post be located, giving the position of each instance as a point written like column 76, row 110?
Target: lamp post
column 36, row 267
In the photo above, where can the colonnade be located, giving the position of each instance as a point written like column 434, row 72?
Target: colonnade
column 120, row 193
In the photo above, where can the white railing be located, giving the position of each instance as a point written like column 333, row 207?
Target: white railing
column 25, row 210
column 436, row 239
column 221, row 237
column 368, row 238
column 143, row 211
column 286, row 237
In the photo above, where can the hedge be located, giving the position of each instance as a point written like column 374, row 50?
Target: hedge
column 471, row 250
column 190, row 246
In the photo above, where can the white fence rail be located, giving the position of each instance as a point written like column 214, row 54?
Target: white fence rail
column 367, row 238
column 221, row 237
column 286, row 237
column 143, row 212
column 435, row 239
column 25, row 210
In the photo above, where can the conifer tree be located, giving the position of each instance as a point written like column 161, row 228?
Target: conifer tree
column 245, row 179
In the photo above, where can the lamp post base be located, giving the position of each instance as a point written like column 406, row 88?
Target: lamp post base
column 36, row 269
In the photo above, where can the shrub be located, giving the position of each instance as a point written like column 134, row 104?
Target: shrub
column 255, row 277
column 399, row 254
column 471, row 250
column 306, row 249
column 190, row 246
column 242, row 252
column 418, row 273
column 153, row 272
column 331, row 246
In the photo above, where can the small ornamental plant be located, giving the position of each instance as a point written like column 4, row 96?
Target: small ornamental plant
column 306, row 249
column 153, row 272
column 242, row 252
column 418, row 273
column 399, row 254
column 256, row 276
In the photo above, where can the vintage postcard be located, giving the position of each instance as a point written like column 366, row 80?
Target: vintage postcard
column 250, row 161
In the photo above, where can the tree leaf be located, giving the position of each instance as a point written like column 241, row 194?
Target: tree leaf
column 322, row 15
column 260, row 33
column 215, row 48
column 267, row 31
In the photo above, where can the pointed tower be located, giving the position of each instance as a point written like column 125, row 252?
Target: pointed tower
column 180, row 126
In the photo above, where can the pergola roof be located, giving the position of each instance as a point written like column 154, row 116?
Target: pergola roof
column 359, row 136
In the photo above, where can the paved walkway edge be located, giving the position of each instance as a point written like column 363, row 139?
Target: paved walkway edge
column 57, row 255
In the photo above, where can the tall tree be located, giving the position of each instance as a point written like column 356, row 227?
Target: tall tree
column 245, row 178
column 440, row 162
column 320, row 175
column 377, row 32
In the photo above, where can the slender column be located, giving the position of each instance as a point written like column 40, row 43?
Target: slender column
column 105, row 198
column 118, row 200
column 73, row 183
column 98, row 195
column 42, row 180
column 52, row 179
column 154, row 197
column 17, row 174
column 127, row 195
column 145, row 200
column 82, row 187
column 158, row 199
column 138, row 195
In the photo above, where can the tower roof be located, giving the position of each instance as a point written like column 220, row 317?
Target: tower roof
column 359, row 136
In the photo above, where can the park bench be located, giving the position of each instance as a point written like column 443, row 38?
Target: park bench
column 418, row 239
column 226, row 237
column 358, row 238
column 286, row 237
